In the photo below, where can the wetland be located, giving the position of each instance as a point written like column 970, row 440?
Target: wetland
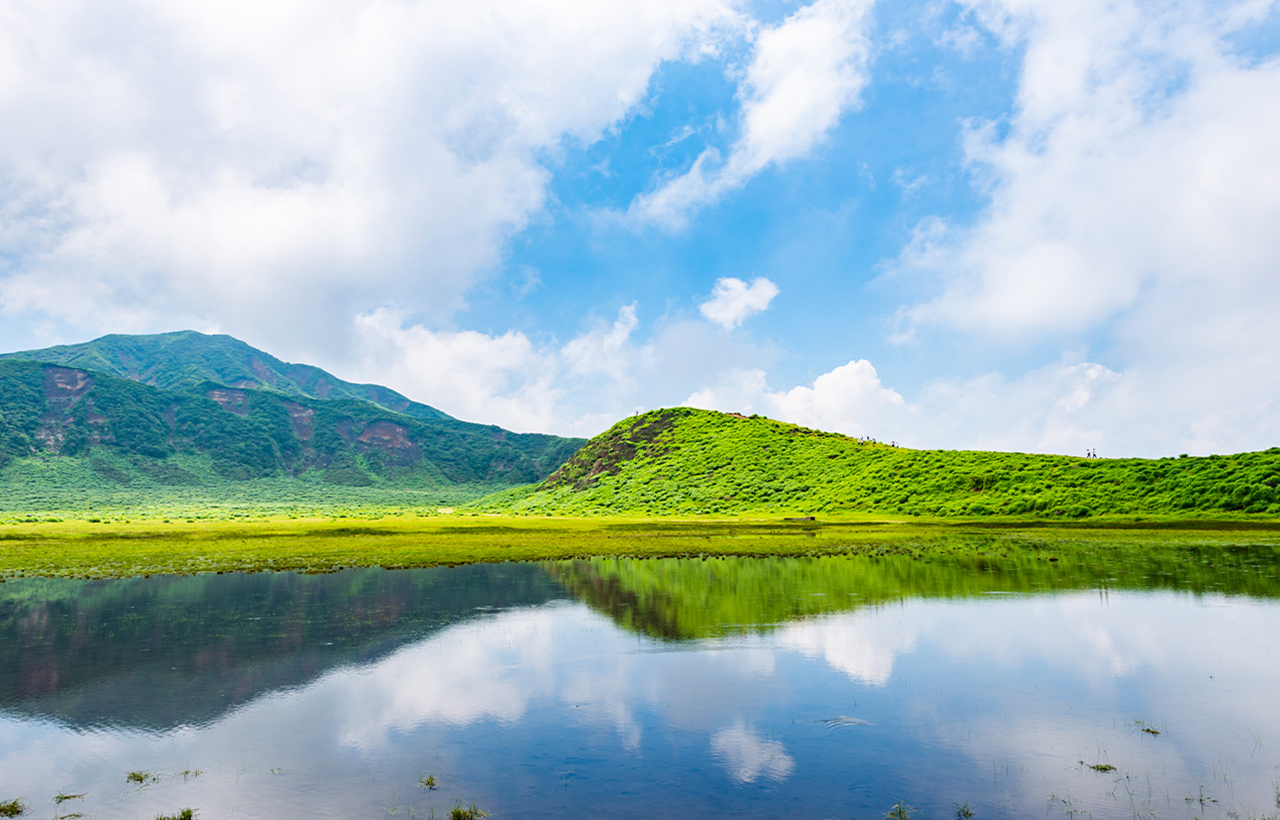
column 974, row 674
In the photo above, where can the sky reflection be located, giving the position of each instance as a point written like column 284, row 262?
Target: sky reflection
column 999, row 702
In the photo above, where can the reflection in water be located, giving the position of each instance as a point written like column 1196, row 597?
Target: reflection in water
column 663, row 691
column 166, row 651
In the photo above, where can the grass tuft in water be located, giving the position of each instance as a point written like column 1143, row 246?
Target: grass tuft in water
column 184, row 814
column 1098, row 767
column 141, row 778
column 902, row 810
column 461, row 812
column 963, row 812
column 13, row 808
column 187, row 774
column 62, row 797
column 428, row 781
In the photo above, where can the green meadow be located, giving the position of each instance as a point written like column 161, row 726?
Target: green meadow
column 405, row 538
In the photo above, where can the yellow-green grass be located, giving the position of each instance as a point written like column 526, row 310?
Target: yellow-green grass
column 404, row 538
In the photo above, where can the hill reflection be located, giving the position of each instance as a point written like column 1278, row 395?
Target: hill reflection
column 154, row 653
column 689, row 599
column 161, row 652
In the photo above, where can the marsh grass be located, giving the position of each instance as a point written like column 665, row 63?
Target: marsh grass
column 13, row 808
column 1147, row 728
column 62, row 797
column 461, row 812
column 141, row 779
column 1098, row 767
column 183, row 814
column 428, row 782
column 902, row 810
column 81, row 549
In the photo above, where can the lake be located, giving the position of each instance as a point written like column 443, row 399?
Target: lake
column 1006, row 685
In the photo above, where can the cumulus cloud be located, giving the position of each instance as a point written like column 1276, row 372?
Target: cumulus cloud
column 580, row 387
column 850, row 399
column 605, row 349
column 733, row 301
column 1063, row 407
column 804, row 74
column 281, row 167
column 1133, row 197
column 499, row 379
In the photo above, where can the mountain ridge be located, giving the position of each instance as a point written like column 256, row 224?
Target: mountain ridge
column 184, row 360
column 132, row 432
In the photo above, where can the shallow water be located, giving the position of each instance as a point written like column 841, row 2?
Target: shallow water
column 821, row 687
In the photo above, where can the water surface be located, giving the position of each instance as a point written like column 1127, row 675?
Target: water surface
column 819, row 688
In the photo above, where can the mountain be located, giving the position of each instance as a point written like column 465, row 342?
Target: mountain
column 132, row 432
column 686, row 461
column 185, row 361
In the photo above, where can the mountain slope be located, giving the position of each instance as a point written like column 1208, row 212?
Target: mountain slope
column 186, row 360
column 131, row 431
column 687, row 461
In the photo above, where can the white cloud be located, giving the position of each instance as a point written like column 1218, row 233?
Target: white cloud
column 605, row 349
column 850, row 399
column 501, row 380
column 579, row 388
column 805, row 73
column 282, row 167
column 1134, row 198
column 1061, row 408
column 733, row 301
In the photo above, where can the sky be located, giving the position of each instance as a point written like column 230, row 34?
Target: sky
column 1032, row 225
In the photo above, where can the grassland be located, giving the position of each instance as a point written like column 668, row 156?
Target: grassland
column 404, row 538
column 682, row 461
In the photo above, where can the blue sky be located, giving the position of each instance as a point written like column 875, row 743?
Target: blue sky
column 1007, row 224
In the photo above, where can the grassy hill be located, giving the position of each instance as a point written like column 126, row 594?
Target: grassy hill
column 684, row 461
column 72, row 437
column 186, row 361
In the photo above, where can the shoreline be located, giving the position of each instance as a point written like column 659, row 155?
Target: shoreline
column 82, row 549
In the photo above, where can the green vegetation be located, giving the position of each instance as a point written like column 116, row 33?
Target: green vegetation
column 80, row 549
column 682, row 461
column 79, row 440
column 13, row 808
column 141, row 778
column 461, row 812
column 185, row 814
column 185, row 360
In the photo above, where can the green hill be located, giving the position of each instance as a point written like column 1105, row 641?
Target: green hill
column 70, row 429
column 186, row 361
column 684, row 461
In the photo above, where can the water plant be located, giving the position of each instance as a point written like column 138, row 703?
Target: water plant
column 461, row 812
column 13, row 808
column 184, row 814
column 62, row 797
column 902, row 810
column 1146, row 728
column 963, row 812
column 141, row 778
column 1098, row 767
column 428, row 781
